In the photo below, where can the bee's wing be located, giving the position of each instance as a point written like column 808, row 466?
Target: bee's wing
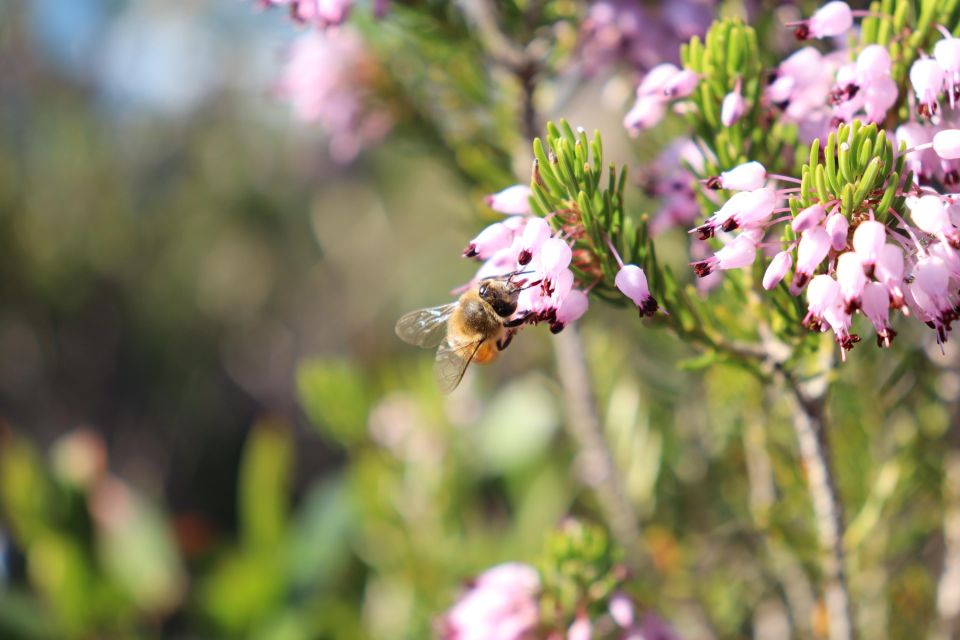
column 452, row 361
column 425, row 327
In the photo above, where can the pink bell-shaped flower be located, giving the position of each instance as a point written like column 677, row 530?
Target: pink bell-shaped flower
column 513, row 200
column 946, row 144
column 927, row 79
column 777, row 270
column 832, row 19
column 733, row 107
column 868, row 240
column 838, row 228
column 574, row 305
column 495, row 237
column 743, row 177
column 873, row 63
column 930, row 215
column 632, row 282
column 889, row 272
column 808, row 218
column 645, row 113
column 534, row 234
column 813, row 248
column 681, row 84
column 823, row 293
column 656, row 79
column 739, row 252
column 851, row 278
column 875, row 304
column 947, row 54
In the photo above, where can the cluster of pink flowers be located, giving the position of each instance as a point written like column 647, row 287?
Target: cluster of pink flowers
column 936, row 84
column 526, row 244
column 663, row 84
column 813, row 90
column 638, row 33
column 848, row 266
column 817, row 91
column 500, row 604
column 621, row 621
column 329, row 80
column 322, row 13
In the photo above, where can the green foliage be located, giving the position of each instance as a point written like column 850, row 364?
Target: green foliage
column 729, row 57
column 568, row 184
column 579, row 571
column 333, row 394
column 99, row 555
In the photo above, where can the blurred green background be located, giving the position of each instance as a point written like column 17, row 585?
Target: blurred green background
column 209, row 429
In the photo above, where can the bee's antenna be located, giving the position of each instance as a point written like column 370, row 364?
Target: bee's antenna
column 513, row 274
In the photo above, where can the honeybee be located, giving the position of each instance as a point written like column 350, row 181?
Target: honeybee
column 475, row 328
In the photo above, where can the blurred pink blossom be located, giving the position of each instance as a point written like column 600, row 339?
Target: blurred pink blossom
column 501, row 604
column 329, row 80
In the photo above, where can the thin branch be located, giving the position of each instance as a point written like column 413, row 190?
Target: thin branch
column 508, row 54
column 599, row 469
column 811, row 430
column 786, row 568
column 810, row 427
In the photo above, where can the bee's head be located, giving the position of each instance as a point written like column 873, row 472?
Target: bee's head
column 501, row 294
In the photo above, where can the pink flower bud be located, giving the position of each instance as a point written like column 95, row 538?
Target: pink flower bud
column 868, row 241
column 946, row 144
column 681, row 84
column 744, row 177
column 851, row 278
column 632, row 282
column 732, row 109
column 513, row 200
column 777, row 270
column 832, row 19
column 646, row 112
column 837, row 228
column 809, row 218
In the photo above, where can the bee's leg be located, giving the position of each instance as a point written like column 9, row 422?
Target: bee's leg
column 504, row 342
column 516, row 322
